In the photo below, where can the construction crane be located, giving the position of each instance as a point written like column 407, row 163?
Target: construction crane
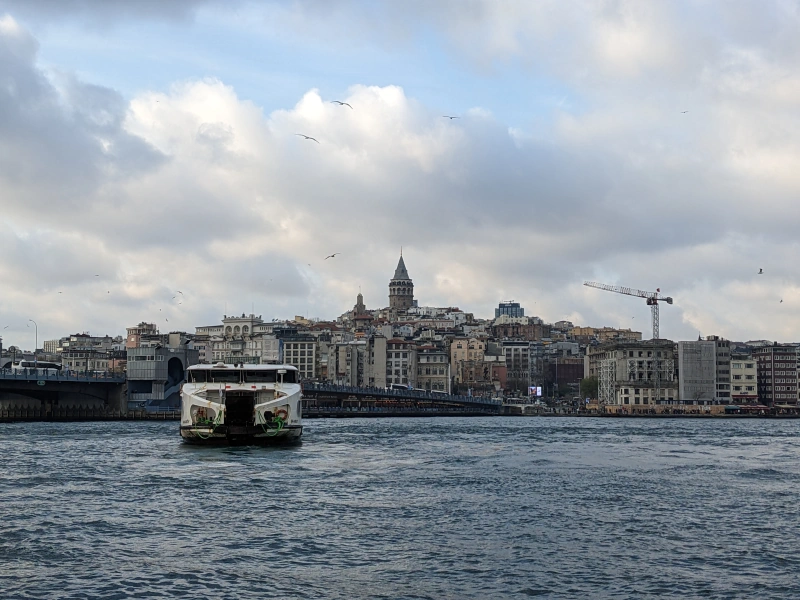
column 652, row 298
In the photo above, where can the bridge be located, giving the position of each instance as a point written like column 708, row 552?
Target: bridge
column 37, row 394
column 324, row 399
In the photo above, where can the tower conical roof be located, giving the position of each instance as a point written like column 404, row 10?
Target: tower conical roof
column 400, row 272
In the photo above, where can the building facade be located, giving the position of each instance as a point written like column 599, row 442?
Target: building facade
column 744, row 380
column 697, row 372
column 777, row 374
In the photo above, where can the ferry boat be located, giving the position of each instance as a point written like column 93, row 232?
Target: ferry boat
column 241, row 404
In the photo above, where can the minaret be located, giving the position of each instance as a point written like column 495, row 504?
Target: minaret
column 359, row 308
column 401, row 288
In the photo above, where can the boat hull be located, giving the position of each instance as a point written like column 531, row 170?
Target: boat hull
column 241, row 435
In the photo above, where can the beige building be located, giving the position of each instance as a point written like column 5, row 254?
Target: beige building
column 301, row 351
column 135, row 333
column 376, row 365
column 744, row 381
column 433, row 369
column 604, row 334
column 245, row 339
column 626, row 372
column 466, row 355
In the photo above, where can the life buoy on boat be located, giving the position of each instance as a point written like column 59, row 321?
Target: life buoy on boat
column 282, row 413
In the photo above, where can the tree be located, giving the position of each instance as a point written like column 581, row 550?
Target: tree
column 589, row 387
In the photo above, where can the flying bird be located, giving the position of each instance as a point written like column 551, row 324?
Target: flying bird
column 6, row 327
column 179, row 292
column 332, row 255
column 449, row 117
column 760, row 271
column 308, row 137
column 340, row 103
column 781, row 302
column 684, row 111
column 97, row 275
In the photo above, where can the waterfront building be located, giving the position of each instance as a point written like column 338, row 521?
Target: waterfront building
column 511, row 308
column 401, row 289
column 744, row 380
column 777, row 374
column 697, row 372
column 625, row 371
column 723, row 368
column 156, row 370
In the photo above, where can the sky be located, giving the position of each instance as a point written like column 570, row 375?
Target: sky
column 152, row 148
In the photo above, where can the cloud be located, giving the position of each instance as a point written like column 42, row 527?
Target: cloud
column 103, row 12
column 198, row 189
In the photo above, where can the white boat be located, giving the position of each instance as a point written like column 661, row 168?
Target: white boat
column 241, row 404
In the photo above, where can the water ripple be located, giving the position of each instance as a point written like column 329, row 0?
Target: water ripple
column 404, row 508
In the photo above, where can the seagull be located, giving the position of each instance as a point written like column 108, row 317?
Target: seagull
column 781, row 302
column 760, row 271
column 108, row 292
column 180, row 292
column 449, row 117
column 6, row 327
column 97, row 275
column 684, row 111
column 308, row 137
column 59, row 292
column 332, row 255
column 174, row 297
column 340, row 103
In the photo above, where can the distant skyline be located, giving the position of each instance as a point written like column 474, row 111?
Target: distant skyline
column 150, row 147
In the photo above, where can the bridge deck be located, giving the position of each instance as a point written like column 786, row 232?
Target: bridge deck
column 41, row 375
column 383, row 393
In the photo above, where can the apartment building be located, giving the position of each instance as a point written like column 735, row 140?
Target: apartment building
column 777, row 374
column 744, row 380
column 433, row 369
column 401, row 362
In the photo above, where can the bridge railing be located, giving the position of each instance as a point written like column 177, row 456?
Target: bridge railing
column 50, row 375
column 400, row 394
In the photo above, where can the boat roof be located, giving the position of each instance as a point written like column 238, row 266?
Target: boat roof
column 241, row 366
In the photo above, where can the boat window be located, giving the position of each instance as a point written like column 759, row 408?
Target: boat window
column 290, row 377
column 198, row 376
column 259, row 376
column 225, row 376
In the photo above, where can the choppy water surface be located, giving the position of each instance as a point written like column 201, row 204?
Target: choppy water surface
column 404, row 508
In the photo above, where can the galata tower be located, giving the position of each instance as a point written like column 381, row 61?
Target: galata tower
column 401, row 288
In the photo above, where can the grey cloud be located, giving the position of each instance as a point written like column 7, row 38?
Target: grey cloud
column 103, row 12
column 57, row 148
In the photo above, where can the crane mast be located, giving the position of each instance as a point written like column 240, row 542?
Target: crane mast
column 652, row 299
